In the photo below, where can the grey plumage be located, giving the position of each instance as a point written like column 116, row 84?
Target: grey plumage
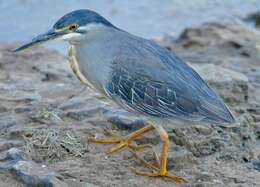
column 136, row 73
column 148, row 79
column 159, row 84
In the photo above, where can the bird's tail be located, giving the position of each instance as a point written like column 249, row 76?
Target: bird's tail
column 217, row 113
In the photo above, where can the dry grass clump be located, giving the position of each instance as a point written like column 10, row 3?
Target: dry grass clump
column 51, row 145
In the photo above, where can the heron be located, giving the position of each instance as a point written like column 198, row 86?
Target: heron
column 138, row 75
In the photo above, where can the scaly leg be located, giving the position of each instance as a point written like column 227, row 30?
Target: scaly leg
column 162, row 170
column 124, row 142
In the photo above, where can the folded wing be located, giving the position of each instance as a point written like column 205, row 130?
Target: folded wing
column 159, row 84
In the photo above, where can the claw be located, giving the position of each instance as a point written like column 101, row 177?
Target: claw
column 159, row 169
column 175, row 178
column 155, row 170
column 143, row 161
column 96, row 140
column 122, row 142
column 139, row 147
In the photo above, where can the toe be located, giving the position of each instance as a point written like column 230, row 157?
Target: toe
column 175, row 178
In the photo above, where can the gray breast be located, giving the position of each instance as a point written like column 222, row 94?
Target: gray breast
column 93, row 62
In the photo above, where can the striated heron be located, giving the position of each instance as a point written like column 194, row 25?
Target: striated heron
column 139, row 76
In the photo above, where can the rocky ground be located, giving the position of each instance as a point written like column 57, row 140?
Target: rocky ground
column 46, row 117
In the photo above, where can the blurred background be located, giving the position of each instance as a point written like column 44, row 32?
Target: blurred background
column 150, row 19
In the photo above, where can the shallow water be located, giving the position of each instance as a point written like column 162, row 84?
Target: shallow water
column 23, row 19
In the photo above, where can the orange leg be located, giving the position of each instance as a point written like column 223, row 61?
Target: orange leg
column 160, row 171
column 124, row 142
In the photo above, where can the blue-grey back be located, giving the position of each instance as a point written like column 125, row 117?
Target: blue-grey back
column 155, row 82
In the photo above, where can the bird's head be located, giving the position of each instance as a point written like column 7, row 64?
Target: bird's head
column 72, row 27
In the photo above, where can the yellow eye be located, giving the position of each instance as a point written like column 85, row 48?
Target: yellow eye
column 73, row 27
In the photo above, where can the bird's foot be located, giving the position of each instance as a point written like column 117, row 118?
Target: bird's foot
column 122, row 143
column 156, row 172
column 173, row 177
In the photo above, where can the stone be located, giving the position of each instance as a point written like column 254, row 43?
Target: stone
column 253, row 18
column 7, row 144
column 125, row 122
column 181, row 158
column 256, row 165
column 33, row 174
column 7, row 120
column 196, row 142
column 12, row 93
column 85, row 113
column 204, row 176
column 17, row 163
column 16, row 154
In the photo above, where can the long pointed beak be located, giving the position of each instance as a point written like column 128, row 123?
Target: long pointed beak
column 50, row 35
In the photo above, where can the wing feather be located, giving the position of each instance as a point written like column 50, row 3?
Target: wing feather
column 157, row 83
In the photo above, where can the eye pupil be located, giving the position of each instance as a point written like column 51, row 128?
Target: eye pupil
column 73, row 27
